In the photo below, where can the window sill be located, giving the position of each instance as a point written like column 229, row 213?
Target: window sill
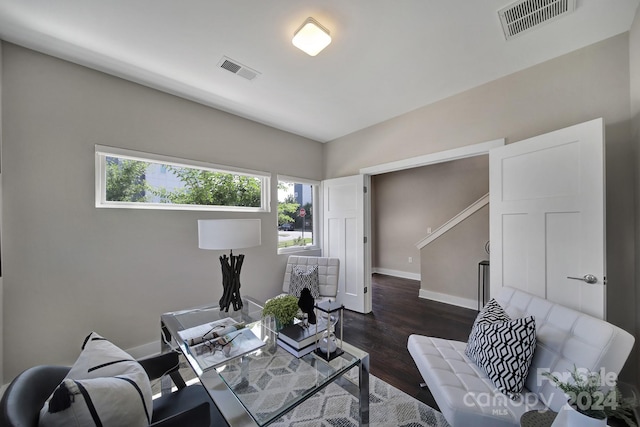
column 300, row 250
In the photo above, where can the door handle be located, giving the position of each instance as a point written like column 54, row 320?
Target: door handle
column 588, row 278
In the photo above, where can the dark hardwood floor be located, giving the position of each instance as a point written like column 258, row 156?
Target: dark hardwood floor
column 397, row 313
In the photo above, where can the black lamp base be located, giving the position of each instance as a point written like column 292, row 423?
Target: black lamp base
column 231, row 266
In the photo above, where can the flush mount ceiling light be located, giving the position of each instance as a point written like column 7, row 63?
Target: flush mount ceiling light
column 311, row 37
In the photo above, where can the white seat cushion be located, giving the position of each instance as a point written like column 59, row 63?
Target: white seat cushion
column 564, row 337
column 465, row 396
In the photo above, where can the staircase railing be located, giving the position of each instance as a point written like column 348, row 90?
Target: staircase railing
column 466, row 213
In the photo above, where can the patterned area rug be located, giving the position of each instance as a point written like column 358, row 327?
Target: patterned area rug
column 388, row 407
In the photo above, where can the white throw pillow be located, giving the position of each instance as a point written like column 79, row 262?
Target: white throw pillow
column 105, row 386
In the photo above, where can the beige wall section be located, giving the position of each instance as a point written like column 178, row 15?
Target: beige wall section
column 1, row 233
column 634, row 67
column 589, row 83
column 71, row 268
column 450, row 263
column 406, row 203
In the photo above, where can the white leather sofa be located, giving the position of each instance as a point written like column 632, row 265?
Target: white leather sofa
column 328, row 274
column 565, row 337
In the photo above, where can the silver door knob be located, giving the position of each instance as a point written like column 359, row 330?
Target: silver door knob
column 588, row 278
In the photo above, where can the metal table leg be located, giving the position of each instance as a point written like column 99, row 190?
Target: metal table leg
column 166, row 381
column 364, row 391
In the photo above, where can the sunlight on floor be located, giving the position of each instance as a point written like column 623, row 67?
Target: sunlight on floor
column 174, row 388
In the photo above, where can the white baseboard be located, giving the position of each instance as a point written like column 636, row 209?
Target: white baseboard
column 397, row 273
column 449, row 299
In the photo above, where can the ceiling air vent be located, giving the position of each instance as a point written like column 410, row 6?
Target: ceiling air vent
column 525, row 15
column 236, row 68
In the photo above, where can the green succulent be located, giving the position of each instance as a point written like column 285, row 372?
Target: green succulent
column 283, row 307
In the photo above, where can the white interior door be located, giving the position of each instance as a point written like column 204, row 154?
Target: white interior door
column 547, row 220
column 345, row 230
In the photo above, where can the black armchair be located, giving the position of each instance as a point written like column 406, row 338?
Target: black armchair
column 188, row 406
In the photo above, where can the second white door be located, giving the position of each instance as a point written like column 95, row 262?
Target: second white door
column 344, row 236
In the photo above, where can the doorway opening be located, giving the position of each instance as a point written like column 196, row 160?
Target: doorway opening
column 402, row 213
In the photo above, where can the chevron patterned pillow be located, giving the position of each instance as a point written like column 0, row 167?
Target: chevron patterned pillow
column 491, row 313
column 506, row 351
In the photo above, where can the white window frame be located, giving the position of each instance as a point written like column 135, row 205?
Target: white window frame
column 317, row 212
column 102, row 152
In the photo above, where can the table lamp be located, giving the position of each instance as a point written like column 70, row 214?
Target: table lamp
column 229, row 234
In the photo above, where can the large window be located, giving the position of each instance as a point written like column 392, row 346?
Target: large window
column 297, row 219
column 131, row 179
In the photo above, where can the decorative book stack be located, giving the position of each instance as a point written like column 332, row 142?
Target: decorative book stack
column 299, row 340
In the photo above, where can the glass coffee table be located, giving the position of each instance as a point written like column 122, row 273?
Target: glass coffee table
column 259, row 387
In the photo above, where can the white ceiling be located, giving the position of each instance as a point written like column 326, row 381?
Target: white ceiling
column 386, row 58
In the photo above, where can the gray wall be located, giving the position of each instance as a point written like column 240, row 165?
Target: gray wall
column 406, row 203
column 71, row 268
column 634, row 65
column 585, row 84
column 1, row 233
column 450, row 263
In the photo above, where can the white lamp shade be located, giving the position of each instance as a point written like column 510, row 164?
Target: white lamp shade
column 228, row 233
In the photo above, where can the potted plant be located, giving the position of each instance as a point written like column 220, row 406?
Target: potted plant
column 589, row 404
column 282, row 308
